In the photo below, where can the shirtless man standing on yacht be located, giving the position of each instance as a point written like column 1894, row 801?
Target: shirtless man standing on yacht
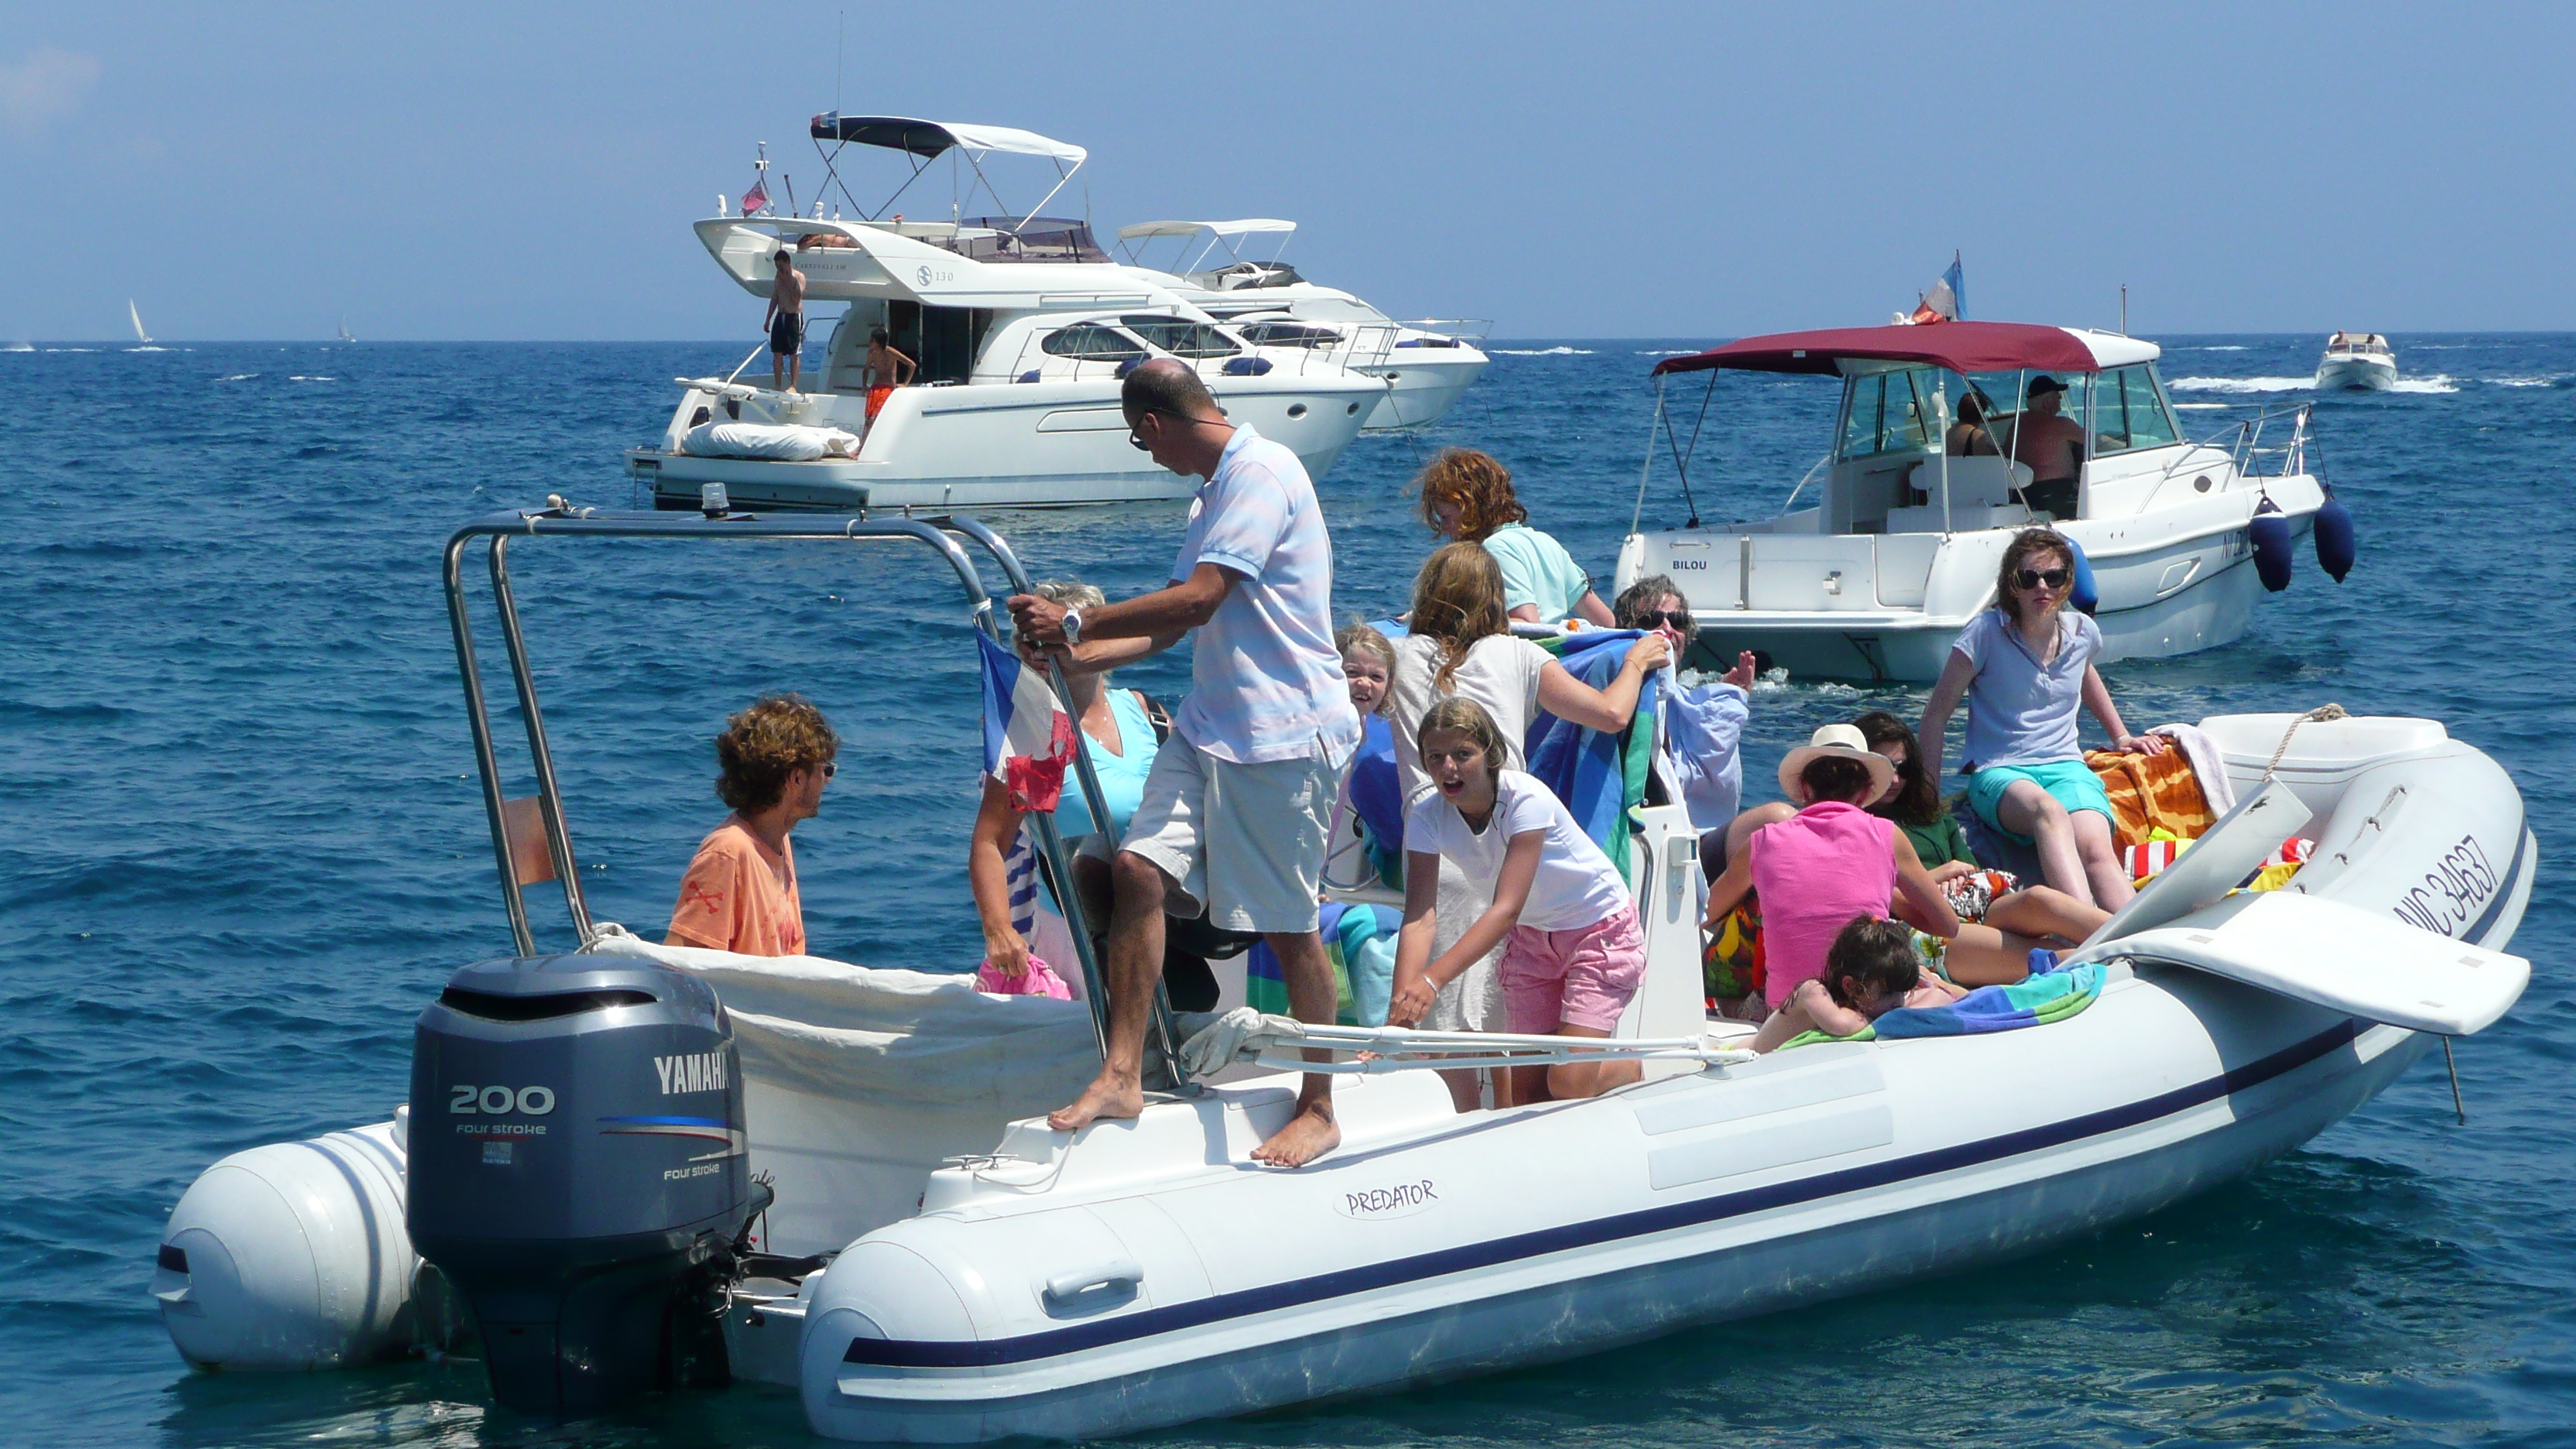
column 2052, row 446
column 786, row 323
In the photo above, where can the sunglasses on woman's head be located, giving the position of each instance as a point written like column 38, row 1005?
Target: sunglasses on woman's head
column 2033, row 578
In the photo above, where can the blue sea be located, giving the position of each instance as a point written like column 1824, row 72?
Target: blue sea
column 241, row 845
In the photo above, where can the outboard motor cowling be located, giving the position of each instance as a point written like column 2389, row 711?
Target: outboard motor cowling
column 578, row 1172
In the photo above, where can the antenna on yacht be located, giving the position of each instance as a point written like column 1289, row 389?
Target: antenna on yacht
column 840, row 39
column 2124, row 309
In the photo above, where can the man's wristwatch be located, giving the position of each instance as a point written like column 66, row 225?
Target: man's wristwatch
column 1073, row 627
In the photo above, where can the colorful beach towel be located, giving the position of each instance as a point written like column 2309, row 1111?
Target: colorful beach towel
column 1598, row 776
column 2048, row 995
column 1360, row 942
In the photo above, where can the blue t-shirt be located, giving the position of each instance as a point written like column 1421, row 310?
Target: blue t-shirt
column 1265, row 680
column 2020, row 711
column 1537, row 570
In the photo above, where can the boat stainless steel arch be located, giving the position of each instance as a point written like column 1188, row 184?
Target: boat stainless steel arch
column 939, row 533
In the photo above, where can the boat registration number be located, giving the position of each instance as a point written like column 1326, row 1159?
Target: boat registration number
column 2452, row 891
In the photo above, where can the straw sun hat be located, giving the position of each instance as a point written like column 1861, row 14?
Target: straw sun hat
column 1836, row 741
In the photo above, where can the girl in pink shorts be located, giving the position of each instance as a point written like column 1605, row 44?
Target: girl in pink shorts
column 1573, row 952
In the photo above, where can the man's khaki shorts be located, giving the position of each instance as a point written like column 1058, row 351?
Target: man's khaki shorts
column 1245, row 843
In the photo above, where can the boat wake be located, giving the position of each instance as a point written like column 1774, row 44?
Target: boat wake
column 2555, row 380
column 1540, row 351
column 2436, row 383
column 2240, row 384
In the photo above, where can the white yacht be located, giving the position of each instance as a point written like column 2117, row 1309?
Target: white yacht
column 1023, row 329
column 2360, row 360
column 1876, row 571
column 1271, row 304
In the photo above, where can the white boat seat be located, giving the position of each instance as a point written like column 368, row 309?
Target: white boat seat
column 1974, row 482
column 1964, row 517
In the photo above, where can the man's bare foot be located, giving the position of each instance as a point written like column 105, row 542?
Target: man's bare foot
column 1309, row 1135
column 1109, row 1095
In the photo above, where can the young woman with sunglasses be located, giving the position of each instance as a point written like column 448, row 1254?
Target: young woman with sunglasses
column 2025, row 668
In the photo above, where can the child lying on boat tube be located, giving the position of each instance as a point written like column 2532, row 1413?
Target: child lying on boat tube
column 1870, row 970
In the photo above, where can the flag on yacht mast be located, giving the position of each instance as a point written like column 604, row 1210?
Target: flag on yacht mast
column 757, row 197
column 1941, row 304
column 1958, row 285
column 1028, row 738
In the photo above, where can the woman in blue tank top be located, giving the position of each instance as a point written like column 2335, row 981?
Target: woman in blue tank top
column 1119, row 736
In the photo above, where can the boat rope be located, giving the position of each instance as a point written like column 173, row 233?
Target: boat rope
column 1271, row 1040
column 2320, row 713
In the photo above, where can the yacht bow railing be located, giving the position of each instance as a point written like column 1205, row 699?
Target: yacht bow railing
column 2243, row 443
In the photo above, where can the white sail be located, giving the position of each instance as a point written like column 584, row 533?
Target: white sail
column 137, row 319
column 344, row 331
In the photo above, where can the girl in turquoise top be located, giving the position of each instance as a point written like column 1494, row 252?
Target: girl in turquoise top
column 1467, row 496
column 1119, row 737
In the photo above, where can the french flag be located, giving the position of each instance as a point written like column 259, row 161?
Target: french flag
column 1028, row 738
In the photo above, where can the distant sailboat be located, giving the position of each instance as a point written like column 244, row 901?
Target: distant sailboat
column 140, row 336
column 344, row 331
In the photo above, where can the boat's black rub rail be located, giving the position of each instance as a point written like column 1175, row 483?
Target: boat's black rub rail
column 915, row 1353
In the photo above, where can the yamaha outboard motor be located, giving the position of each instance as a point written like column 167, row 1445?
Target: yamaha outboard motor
column 577, row 1172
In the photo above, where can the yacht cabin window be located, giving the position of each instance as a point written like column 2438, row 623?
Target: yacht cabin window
column 1887, row 412
column 1289, row 334
column 1181, row 338
column 2129, row 411
column 1091, row 342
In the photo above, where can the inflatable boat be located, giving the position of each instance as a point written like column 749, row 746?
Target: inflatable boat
column 627, row 1160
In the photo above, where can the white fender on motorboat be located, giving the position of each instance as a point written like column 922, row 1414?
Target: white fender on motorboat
column 292, row 1256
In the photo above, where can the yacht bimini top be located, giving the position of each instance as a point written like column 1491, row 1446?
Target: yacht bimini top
column 931, row 139
column 1962, row 347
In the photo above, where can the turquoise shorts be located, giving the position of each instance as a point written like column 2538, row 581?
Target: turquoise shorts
column 2071, row 782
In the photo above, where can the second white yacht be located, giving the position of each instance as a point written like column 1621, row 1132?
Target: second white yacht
column 1022, row 329
column 1427, row 369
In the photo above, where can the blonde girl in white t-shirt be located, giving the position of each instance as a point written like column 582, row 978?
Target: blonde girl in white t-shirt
column 1573, row 951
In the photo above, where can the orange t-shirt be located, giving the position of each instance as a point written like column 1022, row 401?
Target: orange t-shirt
column 738, row 897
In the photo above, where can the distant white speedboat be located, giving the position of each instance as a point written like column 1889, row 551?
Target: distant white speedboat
column 2357, row 360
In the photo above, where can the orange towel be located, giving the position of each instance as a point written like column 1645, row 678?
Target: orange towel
column 2148, row 791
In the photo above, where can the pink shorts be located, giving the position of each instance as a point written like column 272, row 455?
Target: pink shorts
column 1581, row 977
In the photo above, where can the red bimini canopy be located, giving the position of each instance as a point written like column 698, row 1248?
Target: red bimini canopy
column 1958, row 346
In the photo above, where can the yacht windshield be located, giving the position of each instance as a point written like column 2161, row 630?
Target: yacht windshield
column 1288, row 334
column 1888, row 412
column 1091, row 341
column 1180, row 337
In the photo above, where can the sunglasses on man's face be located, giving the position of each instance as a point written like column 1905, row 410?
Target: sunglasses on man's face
column 1678, row 618
column 2033, row 578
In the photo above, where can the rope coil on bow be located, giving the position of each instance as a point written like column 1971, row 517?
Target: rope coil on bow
column 2321, row 712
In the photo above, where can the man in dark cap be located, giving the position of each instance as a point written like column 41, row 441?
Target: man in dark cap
column 2052, row 447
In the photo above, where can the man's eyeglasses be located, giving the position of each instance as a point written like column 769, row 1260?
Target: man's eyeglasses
column 2033, row 578
column 1136, row 439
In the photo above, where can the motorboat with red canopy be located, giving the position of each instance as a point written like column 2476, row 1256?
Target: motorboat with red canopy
column 1929, row 473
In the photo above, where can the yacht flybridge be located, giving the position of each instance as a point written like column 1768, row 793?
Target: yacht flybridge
column 1873, row 573
column 1022, row 328
column 1270, row 303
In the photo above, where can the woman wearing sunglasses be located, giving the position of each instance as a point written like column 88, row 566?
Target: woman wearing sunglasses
column 2025, row 668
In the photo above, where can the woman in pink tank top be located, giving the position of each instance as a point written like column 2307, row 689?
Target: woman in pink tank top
column 1829, row 863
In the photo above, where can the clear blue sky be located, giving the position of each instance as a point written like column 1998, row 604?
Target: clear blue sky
column 507, row 172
